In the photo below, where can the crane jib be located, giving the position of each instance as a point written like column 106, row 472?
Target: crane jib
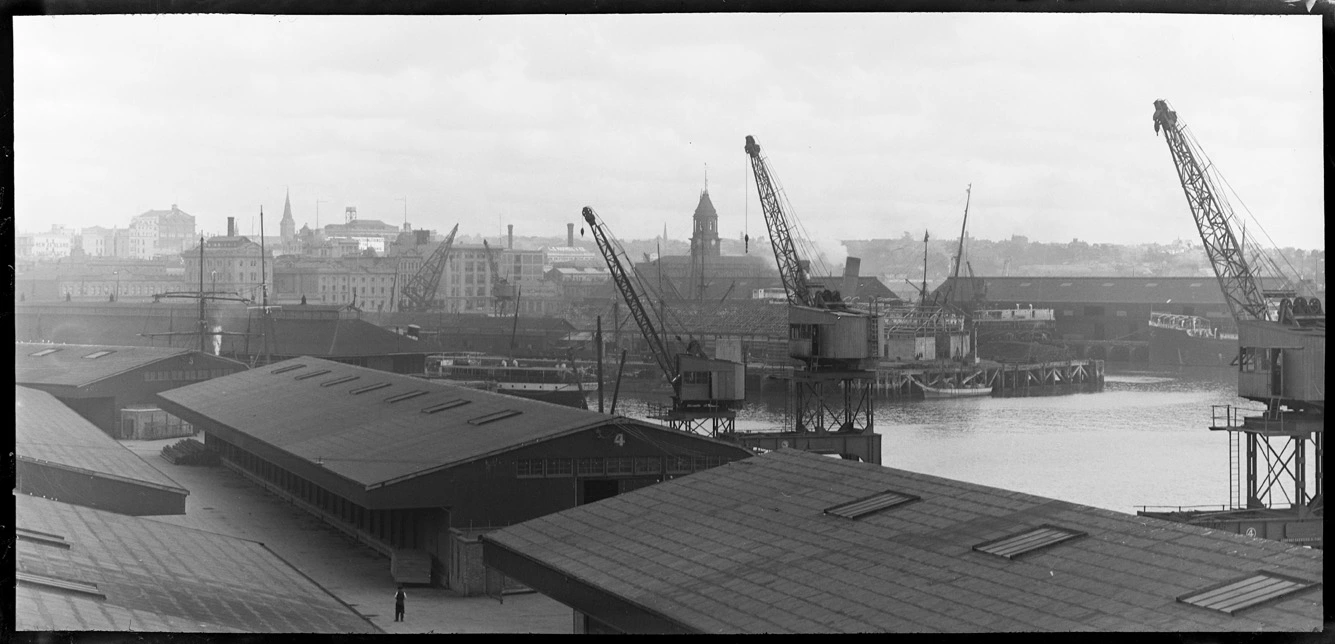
column 1240, row 285
column 637, row 310
column 795, row 283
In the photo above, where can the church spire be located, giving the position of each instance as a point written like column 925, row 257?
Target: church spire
column 287, row 228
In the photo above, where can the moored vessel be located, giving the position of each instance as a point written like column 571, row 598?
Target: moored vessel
column 554, row 381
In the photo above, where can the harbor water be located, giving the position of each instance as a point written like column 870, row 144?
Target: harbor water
column 1142, row 441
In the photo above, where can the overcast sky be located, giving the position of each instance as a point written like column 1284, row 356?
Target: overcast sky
column 874, row 124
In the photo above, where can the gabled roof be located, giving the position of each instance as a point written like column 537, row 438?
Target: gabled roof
column 155, row 576
column 366, row 437
column 80, row 365
column 766, row 544
column 46, row 431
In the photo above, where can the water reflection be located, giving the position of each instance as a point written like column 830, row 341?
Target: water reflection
column 1143, row 440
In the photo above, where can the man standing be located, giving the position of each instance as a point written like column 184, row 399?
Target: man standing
column 398, row 604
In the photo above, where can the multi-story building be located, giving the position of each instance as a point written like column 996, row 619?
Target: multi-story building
column 369, row 233
column 56, row 242
column 96, row 241
column 231, row 264
column 369, row 283
column 161, row 232
column 89, row 278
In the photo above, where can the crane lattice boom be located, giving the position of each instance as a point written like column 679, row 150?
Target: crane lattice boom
column 500, row 287
column 795, row 283
column 421, row 288
column 1242, row 289
column 633, row 302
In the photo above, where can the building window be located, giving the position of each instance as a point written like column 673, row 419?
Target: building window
column 589, row 467
column 678, row 464
column 560, row 467
column 648, row 465
column 528, row 468
column 620, row 465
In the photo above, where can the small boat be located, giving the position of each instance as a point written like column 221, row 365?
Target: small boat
column 956, row 392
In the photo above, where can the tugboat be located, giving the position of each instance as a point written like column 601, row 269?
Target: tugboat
column 553, row 381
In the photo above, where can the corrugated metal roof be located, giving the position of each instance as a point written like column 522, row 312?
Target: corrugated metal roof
column 155, row 576
column 45, row 430
column 747, row 548
column 369, row 438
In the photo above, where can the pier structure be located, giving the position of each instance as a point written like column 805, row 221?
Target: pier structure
column 906, row 380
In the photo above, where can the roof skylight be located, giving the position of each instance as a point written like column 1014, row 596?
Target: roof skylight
column 1027, row 541
column 43, row 352
column 339, row 381
column 868, row 504
column 44, row 538
column 98, row 354
column 362, row 390
column 449, row 404
column 312, row 374
column 406, row 396
column 57, row 583
column 494, row 416
column 1233, row 596
column 291, row 367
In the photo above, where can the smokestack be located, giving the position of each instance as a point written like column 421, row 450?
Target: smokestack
column 231, row 226
column 852, row 266
column 510, row 236
column 570, row 235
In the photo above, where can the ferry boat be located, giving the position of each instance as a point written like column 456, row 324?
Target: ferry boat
column 1190, row 340
column 555, row 381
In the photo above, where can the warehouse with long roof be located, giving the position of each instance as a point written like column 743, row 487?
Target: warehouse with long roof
column 416, row 468
column 793, row 542
column 113, row 386
column 59, row 455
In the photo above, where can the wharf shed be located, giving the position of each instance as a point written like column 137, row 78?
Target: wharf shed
column 114, row 386
column 61, row 456
column 79, row 569
column 234, row 331
column 1104, row 308
column 790, row 541
column 1100, row 308
column 414, row 467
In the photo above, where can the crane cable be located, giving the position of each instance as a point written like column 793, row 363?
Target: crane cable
column 1213, row 170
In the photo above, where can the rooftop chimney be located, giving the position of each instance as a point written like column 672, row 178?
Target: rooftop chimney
column 231, row 226
column 852, row 266
column 570, row 235
column 510, row 238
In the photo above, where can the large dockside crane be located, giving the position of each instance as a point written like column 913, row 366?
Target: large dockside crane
column 836, row 344
column 419, row 294
column 1281, row 363
column 705, row 391
column 502, row 293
